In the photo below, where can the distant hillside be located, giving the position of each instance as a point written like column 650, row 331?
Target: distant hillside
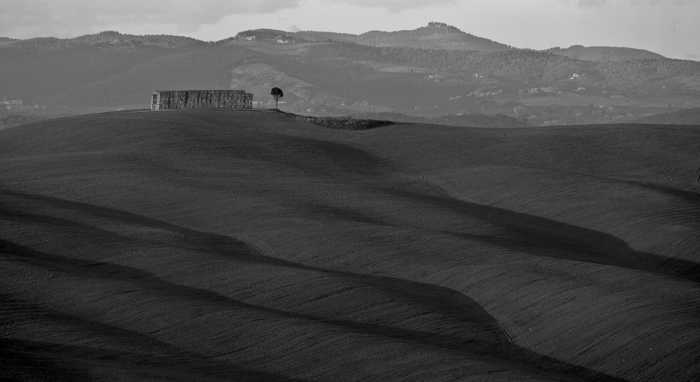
column 6, row 41
column 274, row 35
column 30, row 74
column 317, row 36
column 102, row 39
column 681, row 117
column 268, row 34
column 523, row 65
column 433, row 71
column 606, row 53
column 434, row 36
column 197, row 69
column 17, row 120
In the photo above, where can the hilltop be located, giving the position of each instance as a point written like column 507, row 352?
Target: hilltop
column 252, row 245
column 433, row 36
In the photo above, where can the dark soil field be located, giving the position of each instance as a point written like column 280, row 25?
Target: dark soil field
column 254, row 246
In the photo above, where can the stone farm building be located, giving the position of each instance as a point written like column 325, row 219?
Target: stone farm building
column 201, row 99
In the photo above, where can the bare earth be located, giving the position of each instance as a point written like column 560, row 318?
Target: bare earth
column 251, row 246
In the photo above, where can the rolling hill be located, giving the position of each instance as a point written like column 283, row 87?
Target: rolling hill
column 254, row 246
column 106, row 39
column 433, row 36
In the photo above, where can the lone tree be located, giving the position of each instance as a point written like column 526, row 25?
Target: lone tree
column 276, row 94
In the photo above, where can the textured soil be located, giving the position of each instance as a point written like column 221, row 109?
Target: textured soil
column 253, row 246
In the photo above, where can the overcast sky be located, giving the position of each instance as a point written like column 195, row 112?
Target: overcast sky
column 668, row 27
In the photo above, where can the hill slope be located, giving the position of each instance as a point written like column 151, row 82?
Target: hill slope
column 433, row 36
column 606, row 53
column 103, row 39
column 679, row 117
column 253, row 246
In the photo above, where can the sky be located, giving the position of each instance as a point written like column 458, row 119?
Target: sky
column 668, row 27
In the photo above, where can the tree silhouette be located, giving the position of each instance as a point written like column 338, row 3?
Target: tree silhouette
column 276, row 94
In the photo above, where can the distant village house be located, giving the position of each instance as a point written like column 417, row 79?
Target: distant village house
column 11, row 102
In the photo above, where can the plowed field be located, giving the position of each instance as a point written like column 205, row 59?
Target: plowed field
column 252, row 246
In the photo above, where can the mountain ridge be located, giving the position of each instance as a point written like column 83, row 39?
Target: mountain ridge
column 455, row 39
column 104, row 39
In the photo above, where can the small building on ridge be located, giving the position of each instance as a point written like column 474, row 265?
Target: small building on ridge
column 201, row 99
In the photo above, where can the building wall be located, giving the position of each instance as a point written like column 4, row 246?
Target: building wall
column 201, row 99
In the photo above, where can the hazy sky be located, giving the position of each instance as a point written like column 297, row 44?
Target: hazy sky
column 668, row 27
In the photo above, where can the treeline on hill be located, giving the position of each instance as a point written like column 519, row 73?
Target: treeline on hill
column 269, row 34
column 346, row 123
column 517, row 65
column 605, row 53
column 18, row 119
column 464, row 120
column 102, row 39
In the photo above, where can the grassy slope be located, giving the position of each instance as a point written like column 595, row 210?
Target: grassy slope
column 253, row 246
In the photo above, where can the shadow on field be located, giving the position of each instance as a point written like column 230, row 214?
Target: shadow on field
column 26, row 360
column 440, row 297
column 690, row 197
column 43, row 359
column 545, row 237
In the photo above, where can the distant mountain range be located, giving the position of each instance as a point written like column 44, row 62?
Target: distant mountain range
column 102, row 39
column 432, row 71
column 433, row 36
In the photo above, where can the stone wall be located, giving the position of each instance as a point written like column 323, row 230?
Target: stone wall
column 201, row 99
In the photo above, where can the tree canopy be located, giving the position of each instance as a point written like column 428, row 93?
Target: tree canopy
column 277, row 94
